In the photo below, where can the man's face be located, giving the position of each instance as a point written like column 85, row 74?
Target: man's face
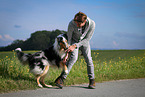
column 80, row 24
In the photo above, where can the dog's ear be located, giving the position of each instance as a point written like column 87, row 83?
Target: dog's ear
column 65, row 36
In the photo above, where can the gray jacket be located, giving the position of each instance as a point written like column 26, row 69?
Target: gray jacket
column 75, row 37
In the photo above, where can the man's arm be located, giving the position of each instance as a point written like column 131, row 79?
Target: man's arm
column 88, row 35
column 70, row 32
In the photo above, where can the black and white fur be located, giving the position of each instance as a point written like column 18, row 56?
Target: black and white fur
column 39, row 62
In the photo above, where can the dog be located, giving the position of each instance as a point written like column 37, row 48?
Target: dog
column 39, row 62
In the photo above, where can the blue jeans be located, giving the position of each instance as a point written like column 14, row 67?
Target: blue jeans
column 86, row 51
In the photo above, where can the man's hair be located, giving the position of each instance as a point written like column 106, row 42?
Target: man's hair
column 80, row 17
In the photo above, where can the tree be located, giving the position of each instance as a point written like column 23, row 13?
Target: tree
column 17, row 41
column 39, row 40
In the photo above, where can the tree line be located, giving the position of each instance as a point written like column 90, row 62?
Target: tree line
column 38, row 40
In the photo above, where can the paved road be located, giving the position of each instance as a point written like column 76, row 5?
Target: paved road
column 121, row 88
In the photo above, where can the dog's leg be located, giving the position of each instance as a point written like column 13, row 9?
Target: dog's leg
column 43, row 75
column 64, row 67
column 64, row 63
column 43, row 83
column 38, row 78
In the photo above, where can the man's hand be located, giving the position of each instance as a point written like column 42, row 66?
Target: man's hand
column 71, row 48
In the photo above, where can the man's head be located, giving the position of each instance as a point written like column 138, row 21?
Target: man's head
column 80, row 19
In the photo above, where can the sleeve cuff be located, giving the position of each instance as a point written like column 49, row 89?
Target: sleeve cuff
column 76, row 45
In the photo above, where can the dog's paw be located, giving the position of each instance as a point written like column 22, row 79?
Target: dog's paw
column 66, row 71
column 40, row 85
column 49, row 86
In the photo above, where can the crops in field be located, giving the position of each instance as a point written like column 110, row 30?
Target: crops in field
column 108, row 65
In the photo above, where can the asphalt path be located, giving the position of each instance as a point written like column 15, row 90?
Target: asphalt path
column 120, row 88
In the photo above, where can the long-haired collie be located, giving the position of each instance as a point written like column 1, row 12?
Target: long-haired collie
column 39, row 62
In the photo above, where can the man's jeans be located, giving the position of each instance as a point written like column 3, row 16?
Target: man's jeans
column 86, row 51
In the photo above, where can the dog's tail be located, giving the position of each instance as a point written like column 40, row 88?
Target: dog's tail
column 23, row 58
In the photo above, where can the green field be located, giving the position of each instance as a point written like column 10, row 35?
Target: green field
column 109, row 65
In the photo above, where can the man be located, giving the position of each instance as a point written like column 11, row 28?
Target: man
column 80, row 31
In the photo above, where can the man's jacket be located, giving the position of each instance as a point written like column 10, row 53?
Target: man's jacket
column 77, row 37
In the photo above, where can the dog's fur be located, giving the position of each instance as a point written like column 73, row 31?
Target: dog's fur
column 39, row 62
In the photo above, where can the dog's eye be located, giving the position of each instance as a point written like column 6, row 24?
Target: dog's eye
column 59, row 38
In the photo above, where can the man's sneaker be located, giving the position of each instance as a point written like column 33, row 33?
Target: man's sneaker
column 59, row 82
column 91, row 84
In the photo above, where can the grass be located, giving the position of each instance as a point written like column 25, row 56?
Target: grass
column 109, row 65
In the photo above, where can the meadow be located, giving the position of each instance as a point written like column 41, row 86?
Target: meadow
column 109, row 65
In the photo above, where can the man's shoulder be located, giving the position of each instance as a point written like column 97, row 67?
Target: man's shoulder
column 72, row 23
column 90, row 20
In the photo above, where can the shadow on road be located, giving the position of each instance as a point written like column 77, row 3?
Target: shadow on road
column 80, row 87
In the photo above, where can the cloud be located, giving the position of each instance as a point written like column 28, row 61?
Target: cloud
column 115, row 44
column 6, row 37
column 17, row 26
column 0, row 37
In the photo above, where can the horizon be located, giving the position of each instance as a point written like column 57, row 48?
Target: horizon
column 96, row 49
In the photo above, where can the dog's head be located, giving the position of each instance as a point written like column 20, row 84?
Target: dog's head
column 62, row 41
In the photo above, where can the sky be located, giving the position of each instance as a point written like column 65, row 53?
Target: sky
column 120, row 24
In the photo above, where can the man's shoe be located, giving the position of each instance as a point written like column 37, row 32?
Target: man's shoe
column 59, row 82
column 91, row 84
